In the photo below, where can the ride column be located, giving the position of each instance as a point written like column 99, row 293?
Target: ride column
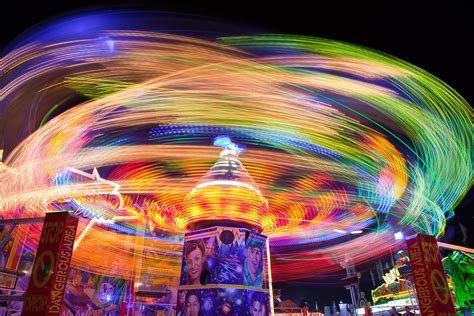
column 224, row 273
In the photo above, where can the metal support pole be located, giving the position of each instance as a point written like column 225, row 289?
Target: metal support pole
column 353, row 296
column 412, row 288
column 270, row 286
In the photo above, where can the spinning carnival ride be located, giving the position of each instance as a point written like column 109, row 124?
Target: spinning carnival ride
column 344, row 146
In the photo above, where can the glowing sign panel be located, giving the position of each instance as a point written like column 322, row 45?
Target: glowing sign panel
column 48, row 279
column 428, row 275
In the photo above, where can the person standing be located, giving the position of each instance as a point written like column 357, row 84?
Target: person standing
column 305, row 308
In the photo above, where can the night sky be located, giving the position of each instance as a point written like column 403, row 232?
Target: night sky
column 434, row 36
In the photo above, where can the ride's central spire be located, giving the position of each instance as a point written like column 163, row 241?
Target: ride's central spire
column 231, row 150
column 228, row 170
column 226, row 193
column 223, row 253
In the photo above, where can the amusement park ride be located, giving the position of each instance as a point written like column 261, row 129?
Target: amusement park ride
column 116, row 201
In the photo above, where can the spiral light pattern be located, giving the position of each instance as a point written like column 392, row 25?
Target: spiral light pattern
column 339, row 139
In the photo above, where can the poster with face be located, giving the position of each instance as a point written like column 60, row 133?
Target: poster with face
column 195, row 302
column 231, row 255
column 212, row 302
column 199, row 261
column 258, row 303
column 93, row 294
column 254, row 254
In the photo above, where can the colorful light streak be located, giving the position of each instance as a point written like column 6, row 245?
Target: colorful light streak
column 339, row 138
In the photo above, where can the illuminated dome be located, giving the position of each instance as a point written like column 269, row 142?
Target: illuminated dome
column 227, row 194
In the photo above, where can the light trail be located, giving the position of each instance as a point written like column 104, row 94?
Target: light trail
column 339, row 139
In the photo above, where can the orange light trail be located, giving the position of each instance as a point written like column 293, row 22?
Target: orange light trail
column 344, row 145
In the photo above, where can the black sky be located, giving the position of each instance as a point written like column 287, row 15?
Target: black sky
column 435, row 36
